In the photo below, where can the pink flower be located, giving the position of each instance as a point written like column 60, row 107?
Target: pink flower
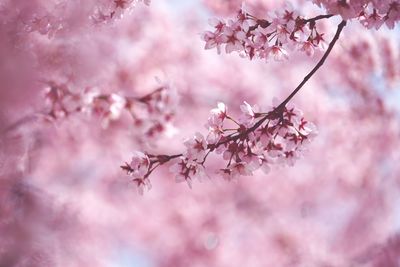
column 306, row 127
column 217, row 116
column 196, row 147
column 217, row 24
column 319, row 41
column 234, row 150
column 274, row 148
column 235, row 39
column 282, row 33
column 248, row 114
column 265, row 133
column 241, row 168
column 393, row 15
column 373, row 20
column 343, row 8
column 235, row 170
column 278, row 53
column 139, row 165
column 214, row 135
column 211, row 40
column 308, row 48
column 290, row 157
column 261, row 38
column 142, row 184
column 186, row 170
column 288, row 13
column 226, row 174
column 252, row 160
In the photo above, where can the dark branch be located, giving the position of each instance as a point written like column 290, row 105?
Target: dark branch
column 314, row 19
column 320, row 63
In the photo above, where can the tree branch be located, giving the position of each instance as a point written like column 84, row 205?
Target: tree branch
column 314, row 19
column 320, row 63
column 274, row 114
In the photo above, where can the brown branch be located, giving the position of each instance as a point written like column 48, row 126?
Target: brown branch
column 278, row 110
column 320, row 63
column 314, row 19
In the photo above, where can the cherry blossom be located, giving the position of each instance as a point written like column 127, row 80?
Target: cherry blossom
column 260, row 139
column 55, row 17
column 152, row 112
column 215, row 122
column 248, row 113
column 371, row 14
column 196, row 147
column 139, row 164
column 265, row 38
column 186, row 170
column 217, row 116
column 138, row 168
column 280, row 31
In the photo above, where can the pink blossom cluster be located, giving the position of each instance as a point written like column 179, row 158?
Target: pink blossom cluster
column 50, row 17
column 371, row 13
column 151, row 112
column 265, row 38
column 256, row 140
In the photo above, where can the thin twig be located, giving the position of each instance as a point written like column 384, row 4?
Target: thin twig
column 318, row 18
column 320, row 63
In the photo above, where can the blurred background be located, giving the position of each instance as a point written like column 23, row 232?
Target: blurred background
column 64, row 201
